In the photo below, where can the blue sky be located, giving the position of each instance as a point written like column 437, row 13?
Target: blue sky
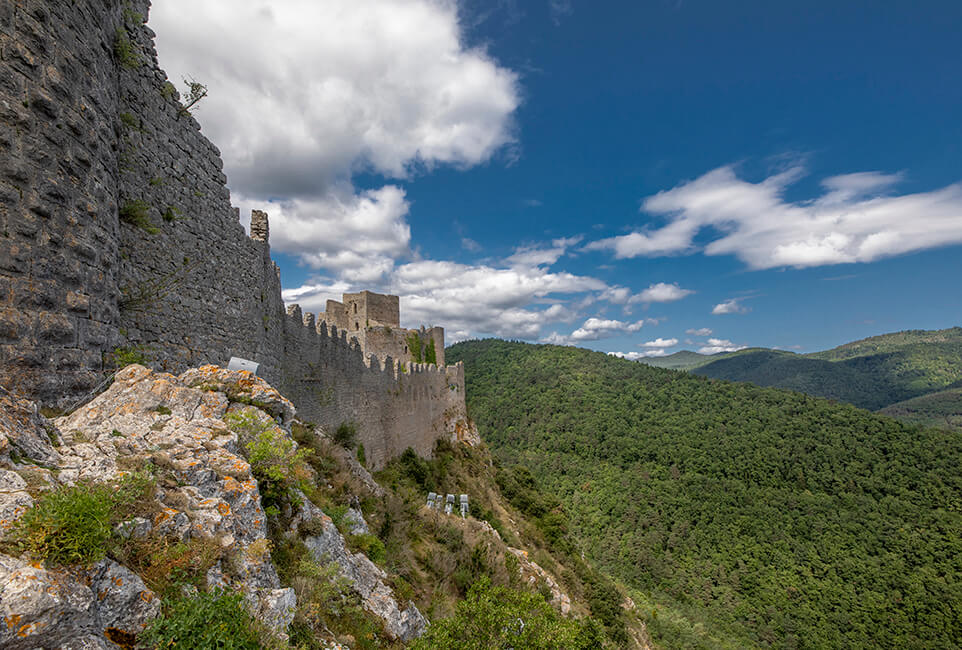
column 624, row 176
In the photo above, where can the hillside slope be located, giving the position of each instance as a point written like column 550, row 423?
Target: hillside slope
column 196, row 511
column 941, row 409
column 750, row 514
column 872, row 373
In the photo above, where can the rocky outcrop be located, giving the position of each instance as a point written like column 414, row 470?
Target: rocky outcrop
column 367, row 579
column 532, row 574
column 205, row 490
column 42, row 608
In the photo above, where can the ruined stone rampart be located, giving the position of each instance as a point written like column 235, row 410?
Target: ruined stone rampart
column 117, row 235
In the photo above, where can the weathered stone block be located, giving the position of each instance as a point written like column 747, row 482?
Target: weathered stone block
column 55, row 328
column 78, row 302
column 14, row 325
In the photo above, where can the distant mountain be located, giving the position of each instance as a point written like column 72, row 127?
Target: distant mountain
column 942, row 409
column 685, row 360
column 872, row 373
column 739, row 516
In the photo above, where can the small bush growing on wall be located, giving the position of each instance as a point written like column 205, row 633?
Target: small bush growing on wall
column 346, row 435
column 171, row 214
column 135, row 213
column 414, row 345
column 124, row 50
column 126, row 355
column 430, row 354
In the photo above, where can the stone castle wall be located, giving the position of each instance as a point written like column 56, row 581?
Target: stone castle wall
column 117, row 233
column 59, row 174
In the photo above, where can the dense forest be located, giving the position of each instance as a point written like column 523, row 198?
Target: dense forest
column 872, row 373
column 752, row 516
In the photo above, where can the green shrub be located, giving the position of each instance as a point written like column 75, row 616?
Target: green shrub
column 171, row 214
column 370, row 545
column 277, row 463
column 414, row 345
column 346, row 435
column 168, row 90
column 135, row 213
column 74, row 524
column 124, row 50
column 131, row 121
column 214, row 621
column 500, row 617
column 126, row 355
column 361, row 456
column 430, row 353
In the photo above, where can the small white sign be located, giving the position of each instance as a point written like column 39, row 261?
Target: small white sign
column 236, row 363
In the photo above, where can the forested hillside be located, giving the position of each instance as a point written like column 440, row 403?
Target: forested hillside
column 742, row 515
column 872, row 373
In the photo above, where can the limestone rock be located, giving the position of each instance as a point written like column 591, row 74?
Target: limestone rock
column 44, row 608
column 23, row 431
column 366, row 578
column 532, row 573
column 14, row 499
column 241, row 386
column 355, row 519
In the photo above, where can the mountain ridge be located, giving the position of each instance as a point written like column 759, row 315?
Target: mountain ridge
column 872, row 373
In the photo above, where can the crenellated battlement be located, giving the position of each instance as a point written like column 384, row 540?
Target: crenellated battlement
column 120, row 239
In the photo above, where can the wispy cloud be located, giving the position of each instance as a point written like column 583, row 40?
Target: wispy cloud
column 857, row 218
column 470, row 245
column 702, row 331
column 560, row 9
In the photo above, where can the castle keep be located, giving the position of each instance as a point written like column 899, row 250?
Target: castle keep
column 374, row 321
column 118, row 239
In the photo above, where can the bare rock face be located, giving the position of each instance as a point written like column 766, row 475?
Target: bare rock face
column 206, row 491
column 14, row 499
column 366, row 578
column 23, row 431
column 242, row 387
column 43, row 608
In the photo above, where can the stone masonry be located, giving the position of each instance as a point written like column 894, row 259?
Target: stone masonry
column 118, row 238
column 374, row 321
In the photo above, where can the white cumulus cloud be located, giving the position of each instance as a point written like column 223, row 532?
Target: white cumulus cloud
column 730, row 306
column 661, row 292
column 720, row 345
column 856, row 219
column 303, row 95
column 599, row 328
column 659, row 343
column 701, row 331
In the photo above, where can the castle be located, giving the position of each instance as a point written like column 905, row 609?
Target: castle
column 373, row 320
column 118, row 241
